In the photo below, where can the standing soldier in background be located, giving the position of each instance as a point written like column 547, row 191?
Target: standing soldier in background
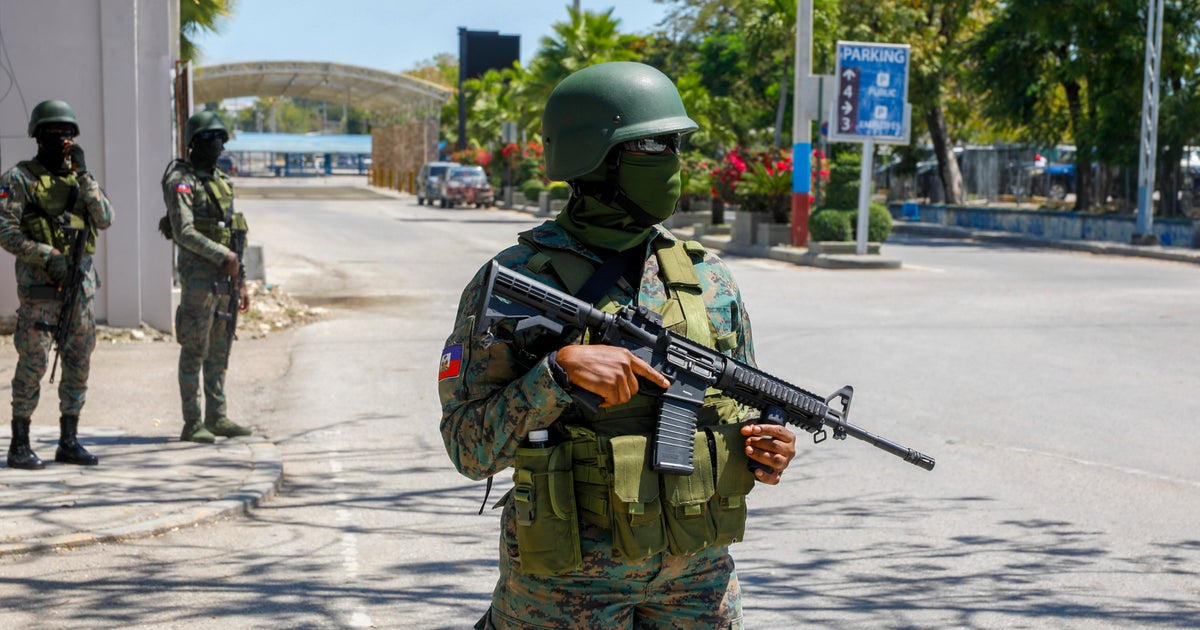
column 202, row 222
column 43, row 202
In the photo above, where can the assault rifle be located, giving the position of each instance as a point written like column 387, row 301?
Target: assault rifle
column 233, row 284
column 68, row 292
column 690, row 366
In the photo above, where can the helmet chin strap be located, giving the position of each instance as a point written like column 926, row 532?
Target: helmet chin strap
column 610, row 192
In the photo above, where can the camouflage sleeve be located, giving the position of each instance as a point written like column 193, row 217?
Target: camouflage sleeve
column 490, row 401
column 723, row 299
column 12, row 207
column 180, row 193
column 99, row 209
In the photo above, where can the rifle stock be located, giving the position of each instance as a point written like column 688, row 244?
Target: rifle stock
column 690, row 366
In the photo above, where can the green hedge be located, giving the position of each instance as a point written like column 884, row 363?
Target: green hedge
column 531, row 188
column 559, row 190
column 831, row 224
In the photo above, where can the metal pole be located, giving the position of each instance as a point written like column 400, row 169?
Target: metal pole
column 1144, row 234
column 801, row 127
column 864, row 196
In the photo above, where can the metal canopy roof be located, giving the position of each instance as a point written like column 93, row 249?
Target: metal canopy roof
column 249, row 141
column 382, row 93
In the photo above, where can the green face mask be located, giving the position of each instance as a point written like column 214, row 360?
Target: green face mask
column 652, row 182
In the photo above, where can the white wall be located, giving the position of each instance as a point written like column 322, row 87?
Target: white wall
column 112, row 61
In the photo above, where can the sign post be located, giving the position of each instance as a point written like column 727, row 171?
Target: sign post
column 871, row 106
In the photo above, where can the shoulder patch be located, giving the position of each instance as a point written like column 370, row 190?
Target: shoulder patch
column 3, row 192
column 182, row 187
column 451, row 364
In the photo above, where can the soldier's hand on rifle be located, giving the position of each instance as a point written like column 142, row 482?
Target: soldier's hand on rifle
column 243, row 299
column 229, row 266
column 610, row 372
column 57, row 266
column 770, row 444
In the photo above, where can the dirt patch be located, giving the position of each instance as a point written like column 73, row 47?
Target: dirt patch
column 271, row 310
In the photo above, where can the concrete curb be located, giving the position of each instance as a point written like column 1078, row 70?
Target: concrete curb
column 794, row 255
column 1108, row 248
column 266, row 474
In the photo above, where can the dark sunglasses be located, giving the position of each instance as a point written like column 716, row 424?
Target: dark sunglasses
column 654, row 145
column 212, row 134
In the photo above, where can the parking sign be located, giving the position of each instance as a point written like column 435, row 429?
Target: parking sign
column 872, row 93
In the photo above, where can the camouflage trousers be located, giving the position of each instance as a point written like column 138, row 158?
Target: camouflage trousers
column 33, row 355
column 663, row 592
column 204, row 349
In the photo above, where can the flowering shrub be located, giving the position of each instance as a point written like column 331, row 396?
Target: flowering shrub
column 766, row 185
column 524, row 160
column 726, row 175
column 482, row 157
column 694, row 174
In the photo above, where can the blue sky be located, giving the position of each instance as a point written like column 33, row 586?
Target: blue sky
column 394, row 35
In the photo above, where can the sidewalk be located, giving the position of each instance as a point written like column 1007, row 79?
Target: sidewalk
column 148, row 482
column 804, row 257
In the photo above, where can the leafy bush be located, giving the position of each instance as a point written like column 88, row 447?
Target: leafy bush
column 829, row 225
column 531, row 188
column 842, row 191
column 695, row 177
column 559, row 190
column 879, row 223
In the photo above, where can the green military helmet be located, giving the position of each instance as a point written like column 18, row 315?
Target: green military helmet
column 52, row 111
column 601, row 106
column 203, row 121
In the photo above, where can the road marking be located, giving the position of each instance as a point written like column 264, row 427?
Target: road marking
column 358, row 618
column 922, row 268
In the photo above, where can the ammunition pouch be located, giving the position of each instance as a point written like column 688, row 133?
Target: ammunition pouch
column 649, row 513
column 216, row 229
column 543, row 498
column 43, row 292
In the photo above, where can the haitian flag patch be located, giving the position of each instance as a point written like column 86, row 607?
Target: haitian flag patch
column 182, row 188
column 3, row 192
column 451, row 362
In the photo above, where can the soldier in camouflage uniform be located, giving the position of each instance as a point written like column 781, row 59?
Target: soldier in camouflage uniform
column 591, row 536
column 43, row 202
column 199, row 200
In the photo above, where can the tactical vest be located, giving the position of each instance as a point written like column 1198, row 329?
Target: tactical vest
column 52, row 209
column 216, row 220
column 600, row 469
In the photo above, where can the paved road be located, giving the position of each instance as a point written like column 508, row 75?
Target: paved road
column 1053, row 388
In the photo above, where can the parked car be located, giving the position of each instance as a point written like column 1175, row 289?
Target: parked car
column 227, row 164
column 429, row 188
column 467, row 185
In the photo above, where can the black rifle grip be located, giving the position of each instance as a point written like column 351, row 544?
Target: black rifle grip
column 771, row 415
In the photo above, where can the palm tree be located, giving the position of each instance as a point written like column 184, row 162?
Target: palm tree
column 491, row 101
column 587, row 39
column 197, row 16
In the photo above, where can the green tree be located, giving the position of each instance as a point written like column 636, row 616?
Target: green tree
column 199, row 16
column 937, row 33
column 585, row 39
column 1070, row 71
column 492, row 101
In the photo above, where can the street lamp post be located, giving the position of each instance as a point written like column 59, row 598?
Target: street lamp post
column 1143, row 233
